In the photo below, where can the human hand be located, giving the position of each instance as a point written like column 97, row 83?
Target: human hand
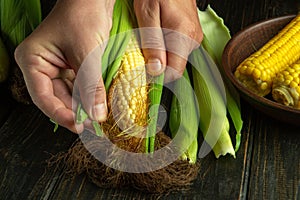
column 58, row 47
column 176, row 32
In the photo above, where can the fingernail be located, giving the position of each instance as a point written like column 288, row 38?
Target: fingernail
column 100, row 112
column 79, row 128
column 153, row 65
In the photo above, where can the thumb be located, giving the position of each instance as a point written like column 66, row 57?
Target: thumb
column 152, row 42
column 152, row 39
column 90, row 86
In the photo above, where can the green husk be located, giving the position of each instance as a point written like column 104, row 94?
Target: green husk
column 18, row 19
column 97, row 128
column 210, row 94
column 55, row 125
column 184, row 113
column 155, row 93
column 216, row 36
column 123, row 23
column 81, row 115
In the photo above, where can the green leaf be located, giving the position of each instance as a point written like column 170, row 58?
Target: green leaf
column 55, row 125
column 123, row 23
column 18, row 19
column 97, row 128
column 216, row 36
column 211, row 96
column 155, row 93
column 81, row 115
column 184, row 118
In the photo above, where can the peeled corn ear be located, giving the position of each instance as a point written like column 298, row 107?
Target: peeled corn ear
column 128, row 97
column 286, row 86
column 258, row 71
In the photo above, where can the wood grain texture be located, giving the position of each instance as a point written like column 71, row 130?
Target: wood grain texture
column 275, row 167
column 274, row 157
column 241, row 13
column 6, row 103
column 27, row 141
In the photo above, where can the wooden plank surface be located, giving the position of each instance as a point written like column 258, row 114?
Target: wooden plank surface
column 274, row 166
column 267, row 165
column 27, row 141
column 6, row 103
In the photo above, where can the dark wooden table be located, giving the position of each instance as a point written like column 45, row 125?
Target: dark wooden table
column 266, row 167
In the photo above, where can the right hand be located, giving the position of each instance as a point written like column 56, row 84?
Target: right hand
column 170, row 30
column 60, row 44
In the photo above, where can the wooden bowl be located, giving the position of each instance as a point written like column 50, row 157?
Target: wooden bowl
column 240, row 46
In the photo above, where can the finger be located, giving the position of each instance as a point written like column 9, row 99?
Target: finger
column 91, row 86
column 152, row 40
column 43, row 96
column 66, row 118
column 178, row 46
column 62, row 92
column 175, row 68
column 38, row 71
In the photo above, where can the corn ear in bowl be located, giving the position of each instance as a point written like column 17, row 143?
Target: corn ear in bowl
column 258, row 70
column 243, row 49
column 286, row 86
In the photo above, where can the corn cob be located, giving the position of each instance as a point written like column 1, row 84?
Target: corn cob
column 130, row 96
column 258, row 70
column 286, row 86
column 128, row 93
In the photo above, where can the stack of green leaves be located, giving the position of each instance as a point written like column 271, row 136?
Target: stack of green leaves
column 18, row 19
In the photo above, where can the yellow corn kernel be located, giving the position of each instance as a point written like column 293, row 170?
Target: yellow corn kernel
column 127, row 98
column 258, row 70
column 286, row 86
